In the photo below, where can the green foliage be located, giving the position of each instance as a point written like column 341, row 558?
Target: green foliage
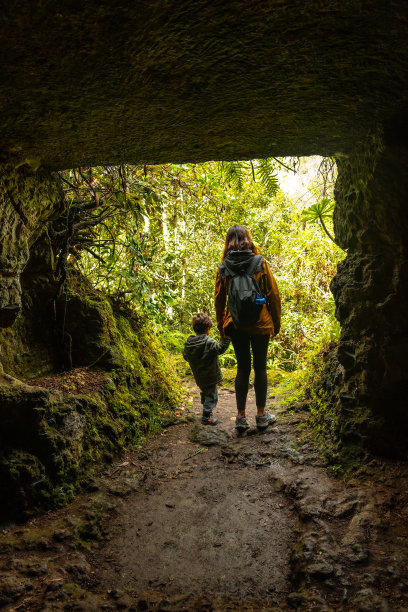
column 320, row 210
column 172, row 339
column 268, row 177
column 228, row 359
column 303, row 261
column 301, row 384
column 318, row 213
column 162, row 233
column 235, row 174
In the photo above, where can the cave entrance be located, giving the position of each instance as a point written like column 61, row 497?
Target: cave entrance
column 365, row 371
column 151, row 237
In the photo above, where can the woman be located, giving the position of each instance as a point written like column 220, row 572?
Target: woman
column 238, row 256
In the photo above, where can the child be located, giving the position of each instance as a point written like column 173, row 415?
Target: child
column 202, row 352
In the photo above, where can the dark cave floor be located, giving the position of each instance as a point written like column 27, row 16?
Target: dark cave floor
column 201, row 519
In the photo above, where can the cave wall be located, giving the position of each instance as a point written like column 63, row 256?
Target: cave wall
column 56, row 430
column 28, row 200
column 30, row 346
column 371, row 294
column 54, row 334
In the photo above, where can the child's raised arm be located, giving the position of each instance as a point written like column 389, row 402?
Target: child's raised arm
column 220, row 347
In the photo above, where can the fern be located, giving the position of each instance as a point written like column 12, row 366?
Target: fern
column 267, row 175
column 234, row 173
column 321, row 210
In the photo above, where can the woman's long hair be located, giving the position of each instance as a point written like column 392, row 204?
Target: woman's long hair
column 239, row 239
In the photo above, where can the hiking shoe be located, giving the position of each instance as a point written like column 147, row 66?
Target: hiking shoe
column 209, row 421
column 262, row 422
column 241, row 424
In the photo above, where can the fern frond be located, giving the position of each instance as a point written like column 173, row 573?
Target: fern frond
column 234, row 173
column 267, row 175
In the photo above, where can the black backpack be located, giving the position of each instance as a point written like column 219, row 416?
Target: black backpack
column 245, row 300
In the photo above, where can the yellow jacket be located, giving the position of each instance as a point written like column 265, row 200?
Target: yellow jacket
column 269, row 320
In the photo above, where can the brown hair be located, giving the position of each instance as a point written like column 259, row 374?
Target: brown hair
column 239, row 239
column 201, row 322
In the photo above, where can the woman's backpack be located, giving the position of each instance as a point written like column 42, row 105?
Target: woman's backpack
column 245, row 300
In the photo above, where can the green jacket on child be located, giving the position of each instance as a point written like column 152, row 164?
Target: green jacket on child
column 202, row 352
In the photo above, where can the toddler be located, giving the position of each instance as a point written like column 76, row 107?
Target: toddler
column 201, row 351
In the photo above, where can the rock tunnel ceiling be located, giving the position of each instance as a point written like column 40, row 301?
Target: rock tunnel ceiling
column 97, row 82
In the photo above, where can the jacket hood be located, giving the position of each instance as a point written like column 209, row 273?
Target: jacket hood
column 238, row 261
column 195, row 346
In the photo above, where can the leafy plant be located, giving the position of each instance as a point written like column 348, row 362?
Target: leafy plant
column 318, row 212
column 236, row 173
column 267, row 173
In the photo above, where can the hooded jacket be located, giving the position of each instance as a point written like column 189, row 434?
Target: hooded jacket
column 202, row 352
column 269, row 320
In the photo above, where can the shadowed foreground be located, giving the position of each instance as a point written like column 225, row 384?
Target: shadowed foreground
column 200, row 519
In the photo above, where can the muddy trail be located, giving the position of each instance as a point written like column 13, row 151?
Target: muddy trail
column 201, row 519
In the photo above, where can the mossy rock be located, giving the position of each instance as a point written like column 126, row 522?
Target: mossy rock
column 52, row 440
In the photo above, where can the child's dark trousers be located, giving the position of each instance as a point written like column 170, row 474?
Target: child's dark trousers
column 209, row 399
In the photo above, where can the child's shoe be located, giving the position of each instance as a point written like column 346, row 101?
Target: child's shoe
column 262, row 422
column 209, row 420
column 241, row 424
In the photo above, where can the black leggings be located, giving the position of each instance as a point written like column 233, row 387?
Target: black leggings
column 242, row 344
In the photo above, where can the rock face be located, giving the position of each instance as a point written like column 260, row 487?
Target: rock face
column 361, row 398
column 55, row 430
column 27, row 200
column 148, row 82
column 53, row 434
column 371, row 293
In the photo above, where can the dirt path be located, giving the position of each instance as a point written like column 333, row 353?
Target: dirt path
column 203, row 523
column 201, row 519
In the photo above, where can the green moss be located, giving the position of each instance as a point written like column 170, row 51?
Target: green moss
column 336, row 432
column 72, row 590
column 91, row 528
column 57, row 440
